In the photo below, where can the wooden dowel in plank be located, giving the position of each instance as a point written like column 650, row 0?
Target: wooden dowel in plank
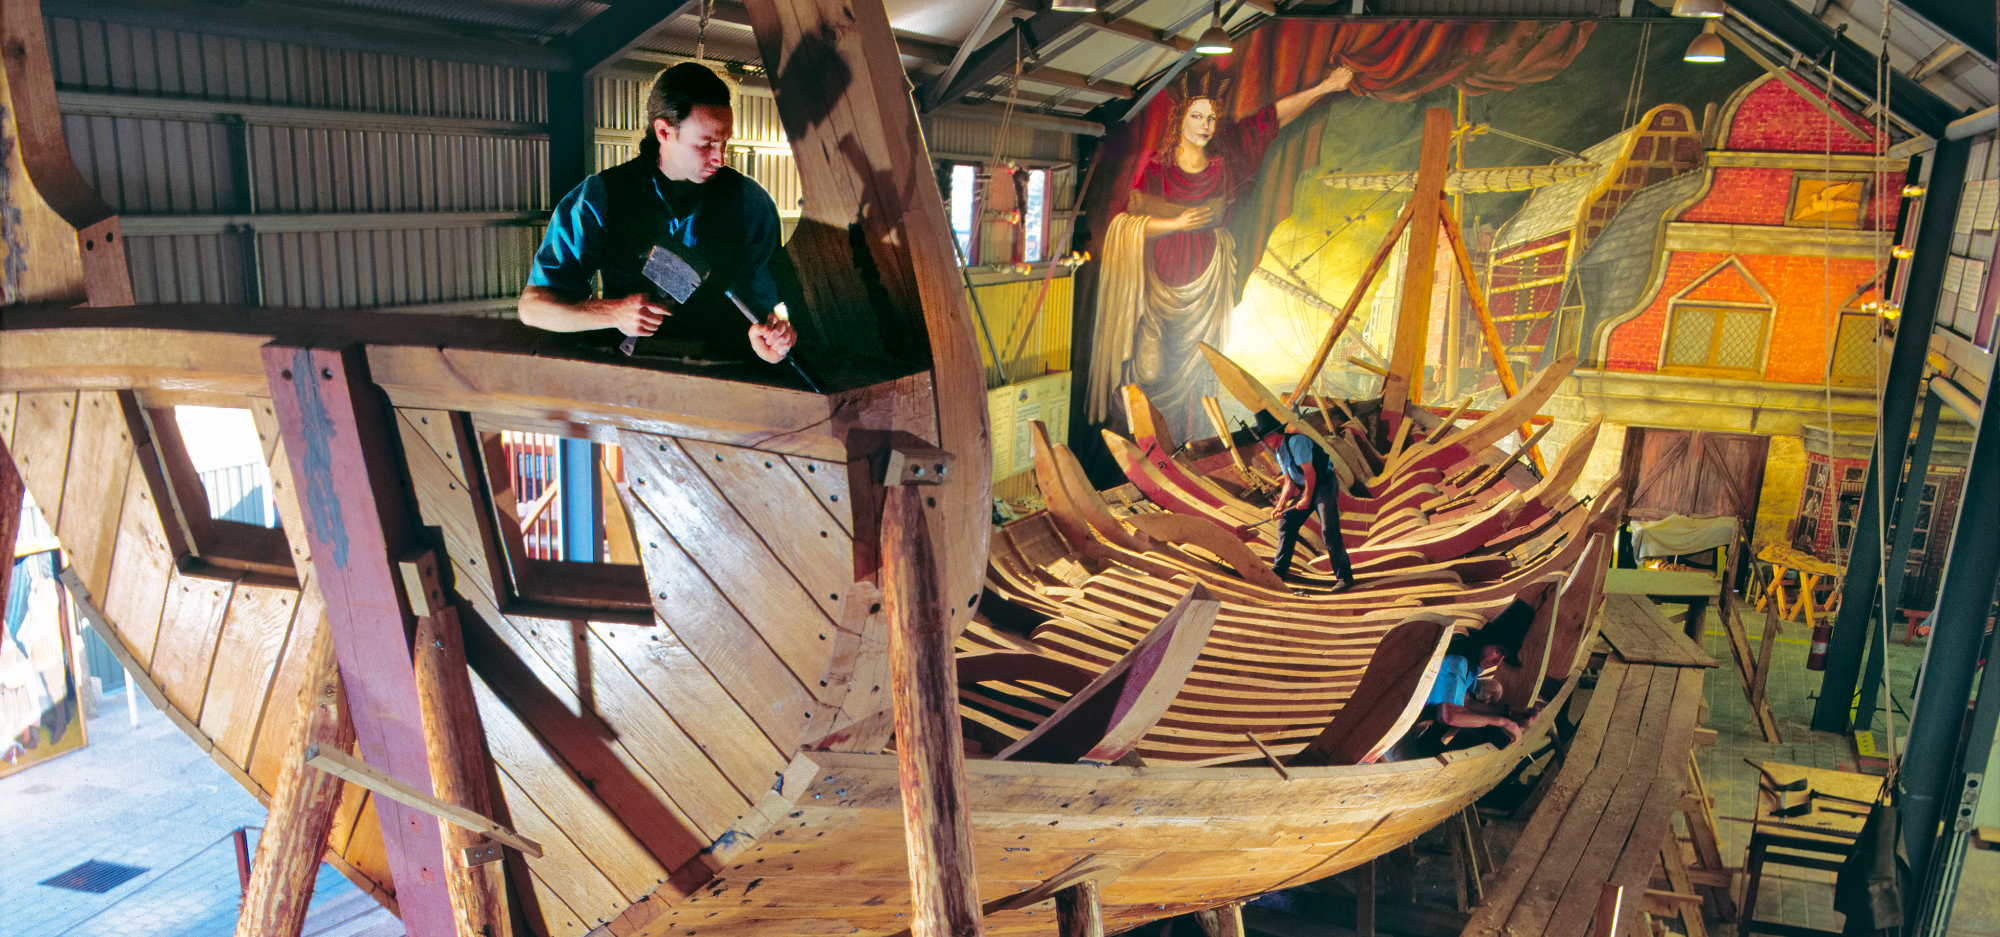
column 930, row 750
column 302, row 808
column 349, row 768
column 1080, row 911
column 455, row 744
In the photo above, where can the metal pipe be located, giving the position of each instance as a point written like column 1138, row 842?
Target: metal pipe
column 1898, row 407
column 242, row 857
column 1973, row 124
column 1958, row 630
column 1899, row 551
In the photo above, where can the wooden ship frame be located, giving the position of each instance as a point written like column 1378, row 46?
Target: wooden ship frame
column 760, row 727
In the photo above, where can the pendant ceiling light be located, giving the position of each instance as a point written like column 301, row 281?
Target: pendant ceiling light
column 1215, row 40
column 1705, row 9
column 1074, row 6
column 1706, row 47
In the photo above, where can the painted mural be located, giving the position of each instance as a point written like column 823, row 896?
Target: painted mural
column 40, row 713
column 1650, row 214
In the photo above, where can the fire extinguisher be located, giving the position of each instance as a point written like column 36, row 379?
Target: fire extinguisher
column 1822, row 633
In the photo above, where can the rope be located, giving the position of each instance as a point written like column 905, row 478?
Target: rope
column 1637, row 85
column 1883, row 479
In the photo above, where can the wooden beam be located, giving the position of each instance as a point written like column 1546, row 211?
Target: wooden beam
column 1069, row 79
column 1140, row 31
column 302, row 807
column 37, row 119
column 869, row 184
column 338, row 438
column 1080, row 911
column 930, row 750
column 1222, row 920
column 12, row 490
column 457, row 748
column 1354, row 302
column 1508, row 384
column 349, row 768
column 1406, row 358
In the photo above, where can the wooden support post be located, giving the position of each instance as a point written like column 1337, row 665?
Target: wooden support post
column 1508, row 384
column 342, row 452
column 1746, row 667
column 1080, row 911
column 456, row 746
column 1772, row 628
column 1406, row 357
column 302, row 807
column 1707, row 846
column 930, row 751
column 1364, row 900
column 12, row 492
column 1222, row 920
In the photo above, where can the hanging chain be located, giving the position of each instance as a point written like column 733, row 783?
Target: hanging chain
column 701, row 31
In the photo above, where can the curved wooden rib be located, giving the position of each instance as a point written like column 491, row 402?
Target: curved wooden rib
column 1562, row 475
column 1254, row 396
column 1390, row 697
column 1488, row 429
column 1195, row 531
column 1103, row 721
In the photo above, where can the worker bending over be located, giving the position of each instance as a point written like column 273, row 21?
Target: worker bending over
column 1310, row 485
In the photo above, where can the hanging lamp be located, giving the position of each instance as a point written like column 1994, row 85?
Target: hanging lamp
column 1215, row 40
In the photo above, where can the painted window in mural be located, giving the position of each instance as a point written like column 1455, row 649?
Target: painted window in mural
column 1830, row 200
column 1854, row 350
column 1722, row 339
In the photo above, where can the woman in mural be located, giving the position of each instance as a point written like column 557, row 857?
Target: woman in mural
column 1169, row 276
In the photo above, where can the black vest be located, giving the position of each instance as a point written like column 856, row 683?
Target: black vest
column 639, row 218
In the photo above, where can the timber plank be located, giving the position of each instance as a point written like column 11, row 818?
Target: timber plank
column 291, row 517
column 771, row 498
column 365, row 850
column 861, row 154
column 692, row 606
column 100, row 455
column 690, row 695
column 556, row 917
column 726, row 549
column 654, row 738
column 570, row 812
column 135, row 597
column 246, row 660
column 1605, row 821
column 828, row 482
column 294, row 668
column 9, row 405
column 190, row 625
column 42, row 433
column 1642, row 633
column 1544, row 886
column 564, row 867
column 447, row 501
column 527, row 708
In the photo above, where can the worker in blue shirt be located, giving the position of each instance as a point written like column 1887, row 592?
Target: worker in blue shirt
column 677, row 187
column 1310, row 484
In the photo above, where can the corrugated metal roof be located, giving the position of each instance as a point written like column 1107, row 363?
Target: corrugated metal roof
column 540, row 17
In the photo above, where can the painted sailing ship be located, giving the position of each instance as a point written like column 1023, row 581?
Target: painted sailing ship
column 707, row 740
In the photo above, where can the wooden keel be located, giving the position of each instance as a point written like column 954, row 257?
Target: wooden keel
column 456, row 745
column 930, row 749
column 344, row 472
column 302, row 807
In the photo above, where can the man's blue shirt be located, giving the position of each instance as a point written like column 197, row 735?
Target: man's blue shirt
column 1296, row 452
column 1454, row 682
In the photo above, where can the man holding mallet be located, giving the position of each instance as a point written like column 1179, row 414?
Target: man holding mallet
column 1310, row 484
column 676, row 190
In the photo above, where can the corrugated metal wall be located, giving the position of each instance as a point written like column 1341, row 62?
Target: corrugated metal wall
column 262, row 172
column 253, row 171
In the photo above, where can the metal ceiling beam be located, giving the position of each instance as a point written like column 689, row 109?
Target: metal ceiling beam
column 349, row 30
column 1850, row 62
column 609, row 35
column 996, row 57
